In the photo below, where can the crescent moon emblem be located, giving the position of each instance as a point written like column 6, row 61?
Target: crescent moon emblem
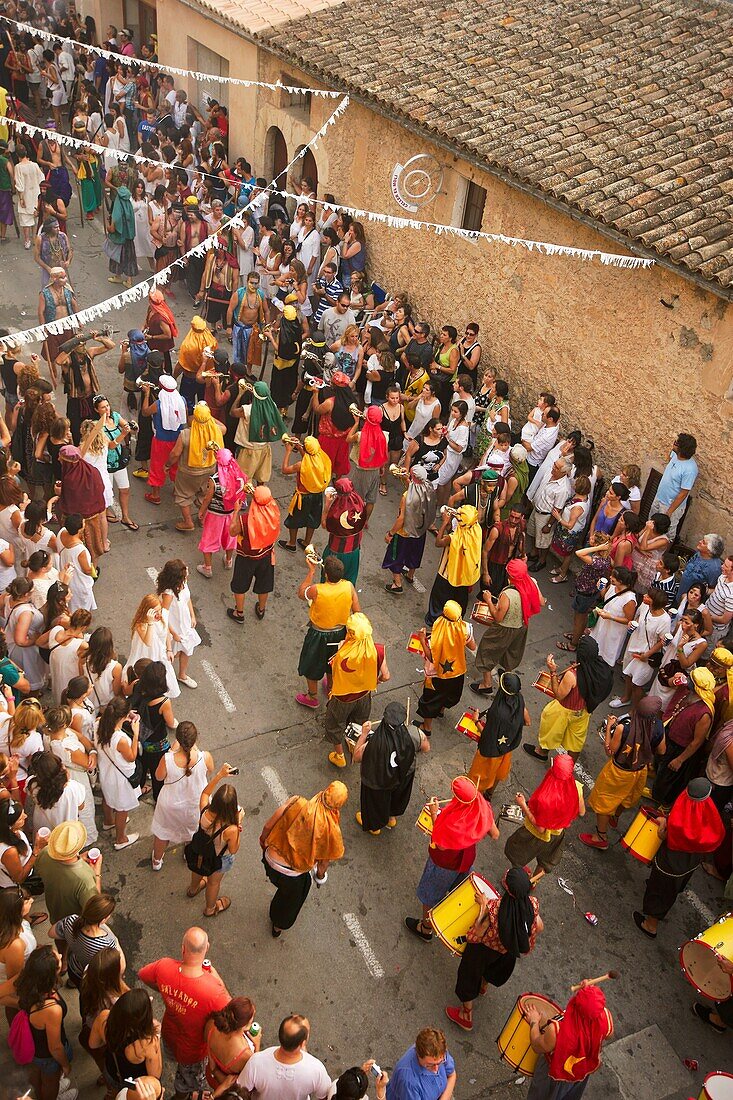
column 393, row 760
column 344, row 521
column 345, row 666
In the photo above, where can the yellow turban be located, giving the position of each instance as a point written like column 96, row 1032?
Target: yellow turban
column 354, row 665
column 704, row 684
column 204, row 429
column 290, row 313
column 724, row 658
column 448, row 642
column 191, row 351
column 461, row 564
column 309, row 830
column 315, row 466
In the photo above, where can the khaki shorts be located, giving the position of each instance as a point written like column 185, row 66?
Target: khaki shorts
column 256, row 462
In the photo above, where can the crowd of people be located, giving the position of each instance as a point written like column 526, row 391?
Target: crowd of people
column 363, row 395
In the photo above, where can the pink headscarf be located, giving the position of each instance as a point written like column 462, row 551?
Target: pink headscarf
column 372, row 444
column 231, row 477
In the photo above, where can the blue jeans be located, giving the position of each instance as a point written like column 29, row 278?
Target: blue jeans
column 50, row 1066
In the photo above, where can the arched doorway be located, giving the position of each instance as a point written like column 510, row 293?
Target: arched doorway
column 276, row 157
column 307, row 167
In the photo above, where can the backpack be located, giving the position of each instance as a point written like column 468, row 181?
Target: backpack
column 200, row 852
column 20, row 1039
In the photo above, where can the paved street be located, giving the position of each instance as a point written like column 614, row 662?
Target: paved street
column 349, row 963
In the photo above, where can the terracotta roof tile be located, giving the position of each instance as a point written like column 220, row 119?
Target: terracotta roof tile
column 622, row 110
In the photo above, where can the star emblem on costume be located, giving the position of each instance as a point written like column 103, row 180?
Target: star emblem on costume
column 502, row 740
column 446, row 666
column 356, row 517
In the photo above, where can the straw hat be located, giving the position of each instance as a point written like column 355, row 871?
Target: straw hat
column 67, row 840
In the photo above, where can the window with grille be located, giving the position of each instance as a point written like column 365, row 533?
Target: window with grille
column 204, row 60
column 473, row 207
column 297, row 103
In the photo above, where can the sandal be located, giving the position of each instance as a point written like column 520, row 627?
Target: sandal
column 151, row 499
column 201, row 886
column 302, row 544
column 478, row 689
column 232, row 614
column 286, row 546
column 382, row 490
column 456, row 1016
column 222, row 904
column 394, row 588
column 112, row 519
column 594, row 840
column 37, row 918
column 569, row 636
column 410, row 580
column 532, row 751
column 639, row 919
column 417, row 928
column 130, row 524
column 566, row 647
column 558, row 579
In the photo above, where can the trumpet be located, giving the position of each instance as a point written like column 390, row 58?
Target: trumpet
column 265, row 331
column 356, row 411
column 397, row 471
column 145, row 382
column 314, row 381
column 212, row 445
column 446, row 511
column 245, row 385
column 292, row 441
column 224, row 377
column 312, row 556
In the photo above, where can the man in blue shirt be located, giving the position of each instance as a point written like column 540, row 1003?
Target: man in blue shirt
column 426, row 1071
column 326, row 290
column 677, row 481
column 705, row 564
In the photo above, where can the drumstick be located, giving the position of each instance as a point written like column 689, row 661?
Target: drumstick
column 407, row 719
column 596, row 981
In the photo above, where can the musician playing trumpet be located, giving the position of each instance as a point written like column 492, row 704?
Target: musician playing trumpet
column 259, row 424
column 312, row 475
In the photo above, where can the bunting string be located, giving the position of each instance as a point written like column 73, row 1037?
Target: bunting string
column 610, row 259
column 136, row 293
column 143, row 63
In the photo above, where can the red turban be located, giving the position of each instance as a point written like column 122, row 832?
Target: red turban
column 694, row 824
column 372, row 444
column 465, row 820
column 555, row 803
column 263, row 519
column 582, row 1030
column 347, row 514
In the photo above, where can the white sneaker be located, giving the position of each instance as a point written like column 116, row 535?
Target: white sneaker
column 157, row 864
column 27, row 245
column 64, row 1083
column 132, row 837
column 618, row 702
column 69, row 1094
column 204, row 570
column 188, row 681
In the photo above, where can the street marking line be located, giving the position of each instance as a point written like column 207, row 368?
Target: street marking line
column 153, row 574
column 226, row 700
column 373, row 964
column 707, row 914
column 274, row 785
column 419, row 587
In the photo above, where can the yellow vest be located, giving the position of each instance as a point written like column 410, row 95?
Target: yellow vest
column 332, row 605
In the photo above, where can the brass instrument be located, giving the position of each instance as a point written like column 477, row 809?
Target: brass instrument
column 397, row 471
column 212, row 445
column 265, row 331
column 314, row 381
column 356, row 411
column 446, row 511
column 312, row 556
column 292, row 441
column 245, row 385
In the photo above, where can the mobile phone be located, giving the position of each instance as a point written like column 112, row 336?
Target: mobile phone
column 375, row 1070
column 234, row 771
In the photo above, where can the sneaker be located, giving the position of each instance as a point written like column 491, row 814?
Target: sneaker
column 391, row 824
column 306, row 700
column 204, row 570
column 157, row 864
column 372, row 832
column 140, row 473
column 228, row 564
column 618, row 702
column 188, row 681
column 27, row 245
column 593, row 840
column 337, row 759
column 126, row 843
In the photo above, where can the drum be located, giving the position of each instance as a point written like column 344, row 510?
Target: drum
column 470, row 724
column 699, row 963
column 513, row 1042
column 453, row 916
column 717, row 1086
column 425, row 821
column 481, row 614
column 352, row 733
column 543, row 683
column 642, row 839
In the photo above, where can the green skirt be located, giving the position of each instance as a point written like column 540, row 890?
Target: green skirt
column 350, row 560
column 318, row 648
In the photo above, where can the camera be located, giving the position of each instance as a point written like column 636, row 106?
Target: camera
column 375, row 1070
column 234, row 771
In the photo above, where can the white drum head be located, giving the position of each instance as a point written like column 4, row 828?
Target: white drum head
column 701, row 968
column 485, row 887
column 719, row 1086
column 545, row 1008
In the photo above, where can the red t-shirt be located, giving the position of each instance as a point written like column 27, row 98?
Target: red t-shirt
column 188, row 1001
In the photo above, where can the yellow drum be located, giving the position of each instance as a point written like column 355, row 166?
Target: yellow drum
column 425, row 821
column 717, row 1086
column 698, row 959
column 470, row 724
column 642, row 839
column 514, row 1043
column 454, row 915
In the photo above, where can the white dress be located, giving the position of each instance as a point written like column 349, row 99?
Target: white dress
column 66, row 809
column 113, row 772
column 81, row 585
column 86, row 712
column 33, row 743
column 63, row 661
column 7, row 572
column 176, row 814
column 155, row 651
column 42, row 542
column 63, row 748
column 179, row 620
column 650, row 629
column 102, row 685
column 143, row 241
column 28, row 180
column 27, row 657
column 29, row 944
column 10, row 534
column 610, row 635
column 99, row 462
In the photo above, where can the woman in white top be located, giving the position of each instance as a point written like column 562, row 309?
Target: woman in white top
column 64, row 644
column 76, row 561
column 34, row 535
column 17, row 857
column 152, row 638
column 298, row 220
column 98, row 662
column 244, row 236
column 427, row 408
column 24, row 625
column 76, row 698
column 121, row 128
column 117, row 750
column 78, row 754
column 144, row 246
column 175, row 597
column 457, row 439
column 11, row 517
column 271, row 266
column 616, row 611
column 42, row 573
column 16, row 938
column 57, row 797
column 20, row 737
column 630, row 476
column 647, row 639
column 7, row 564
column 681, row 655
column 184, row 772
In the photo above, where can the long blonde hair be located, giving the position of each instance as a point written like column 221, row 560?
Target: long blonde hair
column 97, row 445
column 28, row 716
column 147, row 603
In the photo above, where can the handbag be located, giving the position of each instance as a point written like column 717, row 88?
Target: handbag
column 200, row 853
column 138, row 772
